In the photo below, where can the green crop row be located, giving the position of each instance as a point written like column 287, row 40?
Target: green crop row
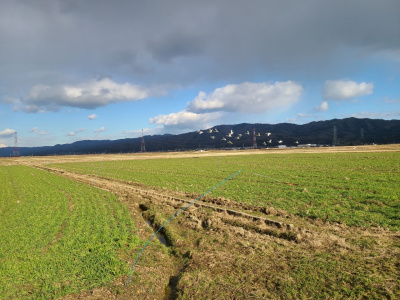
column 361, row 189
column 58, row 236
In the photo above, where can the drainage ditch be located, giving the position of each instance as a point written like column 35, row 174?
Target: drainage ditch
column 171, row 290
column 160, row 236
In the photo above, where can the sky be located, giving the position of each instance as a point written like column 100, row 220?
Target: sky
column 96, row 69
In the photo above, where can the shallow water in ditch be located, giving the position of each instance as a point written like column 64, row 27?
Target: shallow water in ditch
column 159, row 236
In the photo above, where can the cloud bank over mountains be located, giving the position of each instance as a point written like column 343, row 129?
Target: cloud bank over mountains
column 244, row 98
column 247, row 97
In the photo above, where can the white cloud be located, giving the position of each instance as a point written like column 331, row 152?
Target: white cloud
column 90, row 94
column 39, row 132
column 346, row 89
column 7, row 132
column 324, row 106
column 92, row 117
column 391, row 101
column 2, row 145
column 73, row 133
column 101, row 129
column 303, row 115
column 377, row 115
column 247, row 97
column 185, row 119
column 31, row 108
column 242, row 98
column 300, row 117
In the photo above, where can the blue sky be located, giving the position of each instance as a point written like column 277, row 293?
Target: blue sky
column 96, row 69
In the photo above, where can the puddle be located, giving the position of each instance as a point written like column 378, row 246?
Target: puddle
column 159, row 236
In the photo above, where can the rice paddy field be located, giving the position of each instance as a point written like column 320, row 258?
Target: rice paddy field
column 73, row 229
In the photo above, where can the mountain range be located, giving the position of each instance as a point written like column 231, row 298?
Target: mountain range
column 341, row 132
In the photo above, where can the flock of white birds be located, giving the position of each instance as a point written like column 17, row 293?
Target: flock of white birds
column 237, row 137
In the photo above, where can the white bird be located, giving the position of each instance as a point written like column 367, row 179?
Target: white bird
column 224, row 139
column 280, row 142
column 264, row 143
column 270, row 141
column 297, row 142
column 199, row 131
column 258, row 134
column 229, row 135
column 231, row 132
column 247, row 132
column 213, row 137
column 210, row 130
column 268, row 133
column 215, row 130
column 238, row 137
column 229, row 142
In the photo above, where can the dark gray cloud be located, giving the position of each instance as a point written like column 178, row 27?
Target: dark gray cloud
column 49, row 42
column 177, row 44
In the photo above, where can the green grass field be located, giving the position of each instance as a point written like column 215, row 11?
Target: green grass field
column 361, row 189
column 58, row 236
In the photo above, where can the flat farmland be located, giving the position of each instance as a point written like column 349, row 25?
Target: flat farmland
column 305, row 224
column 360, row 189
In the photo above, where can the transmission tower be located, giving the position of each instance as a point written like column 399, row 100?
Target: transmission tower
column 16, row 149
column 362, row 135
column 254, row 139
column 143, row 144
column 334, row 142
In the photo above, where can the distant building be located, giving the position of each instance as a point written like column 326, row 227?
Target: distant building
column 307, row 145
